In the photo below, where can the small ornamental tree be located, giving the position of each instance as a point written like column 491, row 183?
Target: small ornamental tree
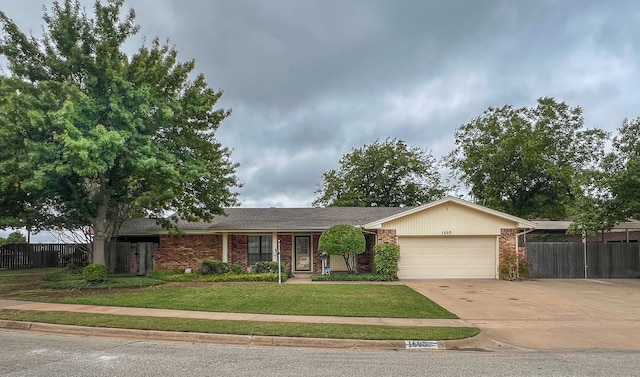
column 385, row 259
column 343, row 240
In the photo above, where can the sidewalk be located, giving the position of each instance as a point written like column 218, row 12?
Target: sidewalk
column 223, row 338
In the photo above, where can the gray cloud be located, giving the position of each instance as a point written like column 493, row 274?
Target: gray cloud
column 309, row 80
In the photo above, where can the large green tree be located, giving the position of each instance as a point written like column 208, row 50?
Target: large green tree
column 615, row 187
column 382, row 174
column 529, row 162
column 89, row 134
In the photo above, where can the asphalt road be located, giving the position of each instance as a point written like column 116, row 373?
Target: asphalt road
column 25, row 353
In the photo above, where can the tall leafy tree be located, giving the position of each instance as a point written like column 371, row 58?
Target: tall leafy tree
column 530, row 162
column 382, row 174
column 88, row 133
column 616, row 193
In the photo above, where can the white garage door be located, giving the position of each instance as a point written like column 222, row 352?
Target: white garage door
column 447, row 257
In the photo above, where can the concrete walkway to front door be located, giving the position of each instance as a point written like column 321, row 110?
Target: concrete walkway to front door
column 544, row 314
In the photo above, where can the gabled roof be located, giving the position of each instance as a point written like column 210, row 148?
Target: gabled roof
column 270, row 219
column 522, row 223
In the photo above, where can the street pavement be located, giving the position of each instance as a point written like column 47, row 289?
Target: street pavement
column 35, row 354
column 532, row 315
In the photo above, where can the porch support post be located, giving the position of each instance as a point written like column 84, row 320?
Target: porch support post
column 225, row 247
column 274, row 242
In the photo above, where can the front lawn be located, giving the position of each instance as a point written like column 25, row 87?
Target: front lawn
column 350, row 300
column 368, row 300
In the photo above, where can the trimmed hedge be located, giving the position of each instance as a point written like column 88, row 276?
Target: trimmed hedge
column 268, row 267
column 211, row 267
column 351, row 277
column 193, row 277
column 385, row 260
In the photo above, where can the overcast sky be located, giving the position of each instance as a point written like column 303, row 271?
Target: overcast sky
column 310, row 80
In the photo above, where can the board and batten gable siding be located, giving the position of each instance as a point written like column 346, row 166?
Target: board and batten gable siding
column 449, row 219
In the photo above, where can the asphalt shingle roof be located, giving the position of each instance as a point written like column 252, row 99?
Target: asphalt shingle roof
column 254, row 219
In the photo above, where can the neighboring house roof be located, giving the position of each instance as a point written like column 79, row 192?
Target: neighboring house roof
column 564, row 225
column 522, row 223
column 271, row 219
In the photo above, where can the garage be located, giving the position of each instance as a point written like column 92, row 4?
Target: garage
column 472, row 257
column 450, row 239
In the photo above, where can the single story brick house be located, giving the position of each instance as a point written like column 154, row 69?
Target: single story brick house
column 447, row 238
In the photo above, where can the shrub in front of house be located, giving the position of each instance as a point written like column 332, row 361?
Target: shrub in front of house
column 179, row 276
column 95, row 273
column 385, row 260
column 211, row 267
column 268, row 267
column 513, row 268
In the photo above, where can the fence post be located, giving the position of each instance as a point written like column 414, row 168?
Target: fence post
column 584, row 249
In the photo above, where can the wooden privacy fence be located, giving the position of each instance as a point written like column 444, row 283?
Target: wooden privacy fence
column 129, row 258
column 566, row 260
column 22, row 255
column 121, row 257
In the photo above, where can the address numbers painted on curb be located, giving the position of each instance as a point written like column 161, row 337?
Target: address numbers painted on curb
column 415, row 344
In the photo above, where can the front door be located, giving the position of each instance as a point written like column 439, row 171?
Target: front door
column 303, row 253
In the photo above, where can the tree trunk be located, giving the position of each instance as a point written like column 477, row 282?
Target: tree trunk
column 100, row 226
column 347, row 262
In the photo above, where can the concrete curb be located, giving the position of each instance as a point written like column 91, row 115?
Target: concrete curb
column 239, row 340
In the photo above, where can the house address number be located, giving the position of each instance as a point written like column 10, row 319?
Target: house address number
column 446, row 232
column 416, row 344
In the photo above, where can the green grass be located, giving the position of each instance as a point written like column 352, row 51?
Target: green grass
column 337, row 331
column 351, row 300
column 371, row 300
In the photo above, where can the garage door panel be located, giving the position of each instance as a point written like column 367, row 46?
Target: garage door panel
column 447, row 257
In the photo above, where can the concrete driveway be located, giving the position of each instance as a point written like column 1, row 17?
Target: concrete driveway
column 543, row 314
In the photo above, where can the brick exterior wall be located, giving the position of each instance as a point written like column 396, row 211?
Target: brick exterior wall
column 507, row 242
column 507, row 246
column 238, row 250
column 286, row 249
column 387, row 236
column 179, row 253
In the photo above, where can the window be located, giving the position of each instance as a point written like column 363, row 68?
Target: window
column 259, row 250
